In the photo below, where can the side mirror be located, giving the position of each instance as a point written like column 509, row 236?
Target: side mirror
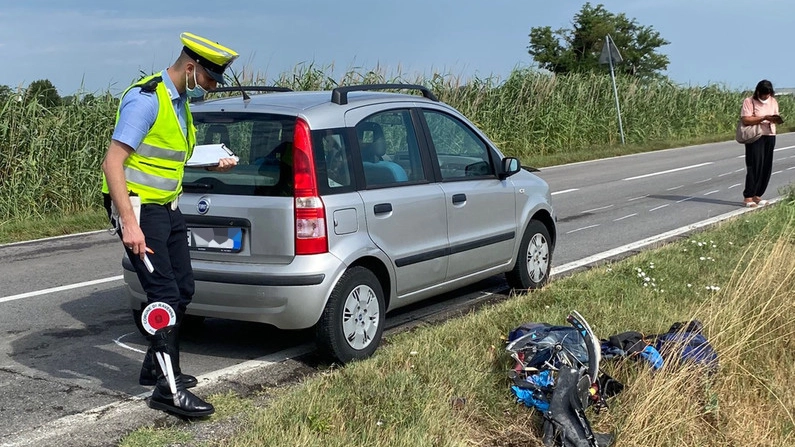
column 508, row 167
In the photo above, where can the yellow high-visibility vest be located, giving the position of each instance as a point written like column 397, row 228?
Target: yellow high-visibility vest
column 155, row 169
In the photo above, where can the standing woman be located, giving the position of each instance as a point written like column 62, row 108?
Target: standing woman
column 761, row 108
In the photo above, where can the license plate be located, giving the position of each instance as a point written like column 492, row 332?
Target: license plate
column 225, row 240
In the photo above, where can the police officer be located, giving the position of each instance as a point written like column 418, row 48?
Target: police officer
column 153, row 138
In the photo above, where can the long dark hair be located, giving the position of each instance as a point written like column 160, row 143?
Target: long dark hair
column 764, row 87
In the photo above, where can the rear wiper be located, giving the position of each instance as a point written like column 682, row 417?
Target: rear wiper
column 197, row 186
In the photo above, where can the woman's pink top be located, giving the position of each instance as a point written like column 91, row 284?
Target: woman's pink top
column 754, row 107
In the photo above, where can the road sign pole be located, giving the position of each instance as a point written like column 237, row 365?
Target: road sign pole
column 615, row 90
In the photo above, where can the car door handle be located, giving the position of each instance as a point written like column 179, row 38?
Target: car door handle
column 382, row 208
column 459, row 198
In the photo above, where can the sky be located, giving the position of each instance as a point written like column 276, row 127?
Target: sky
column 99, row 45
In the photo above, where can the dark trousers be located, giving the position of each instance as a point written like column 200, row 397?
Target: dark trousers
column 166, row 234
column 759, row 164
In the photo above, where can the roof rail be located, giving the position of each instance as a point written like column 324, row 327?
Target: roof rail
column 250, row 88
column 243, row 89
column 340, row 94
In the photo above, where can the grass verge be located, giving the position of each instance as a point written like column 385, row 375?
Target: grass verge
column 445, row 385
column 26, row 229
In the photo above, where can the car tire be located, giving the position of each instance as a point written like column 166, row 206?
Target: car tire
column 191, row 324
column 533, row 260
column 351, row 325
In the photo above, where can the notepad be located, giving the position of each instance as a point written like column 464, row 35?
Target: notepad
column 205, row 155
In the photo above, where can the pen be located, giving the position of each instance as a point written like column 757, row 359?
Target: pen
column 150, row 251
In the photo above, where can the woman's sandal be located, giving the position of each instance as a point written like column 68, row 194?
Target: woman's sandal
column 750, row 204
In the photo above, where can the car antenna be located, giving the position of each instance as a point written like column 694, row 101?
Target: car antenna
column 246, row 98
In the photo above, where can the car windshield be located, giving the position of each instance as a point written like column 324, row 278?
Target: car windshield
column 259, row 140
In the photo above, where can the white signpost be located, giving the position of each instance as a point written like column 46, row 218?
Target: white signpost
column 610, row 55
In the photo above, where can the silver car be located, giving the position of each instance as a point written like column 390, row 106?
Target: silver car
column 351, row 203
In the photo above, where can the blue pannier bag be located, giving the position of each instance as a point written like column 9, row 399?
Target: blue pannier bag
column 686, row 341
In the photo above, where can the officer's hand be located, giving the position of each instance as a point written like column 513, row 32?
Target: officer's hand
column 224, row 164
column 134, row 239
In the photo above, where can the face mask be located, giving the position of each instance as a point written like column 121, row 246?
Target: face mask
column 197, row 91
column 764, row 101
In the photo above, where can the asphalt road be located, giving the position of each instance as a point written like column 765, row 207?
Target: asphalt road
column 69, row 351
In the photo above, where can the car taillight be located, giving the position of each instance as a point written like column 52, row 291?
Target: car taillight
column 310, row 213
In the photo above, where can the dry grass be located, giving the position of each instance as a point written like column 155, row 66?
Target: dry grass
column 750, row 322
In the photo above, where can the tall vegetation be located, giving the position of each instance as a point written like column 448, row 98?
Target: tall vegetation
column 50, row 156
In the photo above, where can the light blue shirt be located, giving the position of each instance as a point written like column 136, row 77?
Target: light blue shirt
column 138, row 112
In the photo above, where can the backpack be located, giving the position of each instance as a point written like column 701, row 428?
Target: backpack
column 686, row 341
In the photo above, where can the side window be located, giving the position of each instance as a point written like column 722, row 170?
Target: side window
column 460, row 152
column 389, row 150
column 335, row 155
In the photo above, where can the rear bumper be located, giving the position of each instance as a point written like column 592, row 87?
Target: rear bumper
column 290, row 296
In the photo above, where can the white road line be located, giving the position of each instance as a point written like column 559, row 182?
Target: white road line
column 791, row 168
column 565, row 191
column 740, row 170
column 775, row 172
column 54, row 238
column 651, row 240
column 675, row 187
column 783, row 148
column 658, row 207
column 711, row 192
column 685, row 199
column 735, row 185
column 45, row 434
column 60, row 288
column 625, row 217
column 583, row 228
column 703, row 181
column 725, row 174
column 125, row 345
column 598, row 209
column 669, row 171
column 637, row 198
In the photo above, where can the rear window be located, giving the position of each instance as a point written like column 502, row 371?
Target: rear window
column 263, row 142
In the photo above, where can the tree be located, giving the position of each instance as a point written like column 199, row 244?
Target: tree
column 5, row 93
column 44, row 92
column 577, row 50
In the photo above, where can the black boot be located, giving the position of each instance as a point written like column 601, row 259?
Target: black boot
column 183, row 402
column 148, row 376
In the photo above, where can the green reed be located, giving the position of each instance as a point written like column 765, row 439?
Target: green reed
column 50, row 157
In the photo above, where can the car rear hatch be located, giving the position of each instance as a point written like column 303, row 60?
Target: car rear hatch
column 245, row 215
